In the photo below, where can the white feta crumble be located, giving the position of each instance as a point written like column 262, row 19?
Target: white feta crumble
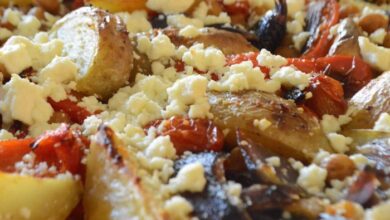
column 29, row 26
column 12, row 16
column 359, row 160
column 376, row 56
column 233, row 190
column 136, row 21
column 204, row 59
column 6, row 135
column 178, row 208
column 383, row 122
column 312, row 178
column 378, row 212
column 15, row 58
column 289, row 76
column 244, row 76
column 378, row 36
column 188, row 94
column 331, row 124
column 273, row 161
column 189, row 31
column 190, row 178
column 92, row 104
column 161, row 147
column 300, row 40
column 59, row 70
column 201, row 13
column 15, row 105
column 159, row 47
column 265, row 58
column 339, row 142
column 294, row 27
column 169, row 6
column 262, row 124
column 181, row 21
column 5, row 33
column 295, row 6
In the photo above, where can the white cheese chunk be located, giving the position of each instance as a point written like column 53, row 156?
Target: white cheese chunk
column 15, row 58
column 377, row 56
column 265, row 58
column 181, row 21
column 383, row 123
column 312, row 178
column 289, row 76
column 136, row 21
column 339, row 142
column 190, row 178
column 204, row 59
column 15, row 106
column 6, row 135
column 378, row 212
column 5, row 33
column 201, row 13
column 159, row 47
column 295, row 6
column 161, row 147
column 169, row 6
column 178, row 208
column 29, row 26
column 12, row 16
column 189, row 31
column 59, row 70
column 378, row 36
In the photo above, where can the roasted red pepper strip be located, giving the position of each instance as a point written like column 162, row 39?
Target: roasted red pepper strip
column 331, row 16
column 239, row 7
column 63, row 148
column 352, row 71
column 76, row 113
column 328, row 96
column 195, row 135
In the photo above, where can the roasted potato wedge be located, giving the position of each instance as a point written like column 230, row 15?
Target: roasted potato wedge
column 114, row 188
column 370, row 102
column 27, row 197
column 227, row 41
column 98, row 43
column 16, row 2
column 119, row 5
column 363, row 136
column 292, row 133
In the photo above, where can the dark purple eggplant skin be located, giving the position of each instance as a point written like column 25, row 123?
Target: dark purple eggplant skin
column 271, row 29
column 313, row 20
column 213, row 203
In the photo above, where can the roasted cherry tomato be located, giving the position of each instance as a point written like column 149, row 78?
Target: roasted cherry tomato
column 194, row 135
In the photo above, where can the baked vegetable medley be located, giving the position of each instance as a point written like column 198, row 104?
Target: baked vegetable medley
column 195, row 109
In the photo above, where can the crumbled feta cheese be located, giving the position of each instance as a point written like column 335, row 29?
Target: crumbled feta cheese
column 181, row 21
column 91, row 125
column 295, row 6
column 50, row 19
column 201, row 13
column 273, row 161
column 136, row 21
column 359, row 160
column 300, row 40
column 15, row 58
column 169, row 6
column 383, row 123
column 91, row 104
column 29, row 26
column 59, row 70
column 142, row 108
column 265, row 58
column 41, row 53
column 376, row 56
column 15, row 105
column 204, row 59
column 41, row 37
column 296, row 164
column 367, row 10
column 40, row 128
column 233, row 190
column 320, row 156
column 189, row 31
column 244, row 76
column 161, row 147
column 294, row 27
column 339, row 142
column 190, row 178
column 378, row 36
column 262, row 124
column 178, row 208
column 160, row 47
column 312, row 178
column 289, row 76
column 188, row 94
column 378, row 212
column 12, row 16
column 6, row 135
column 331, row 124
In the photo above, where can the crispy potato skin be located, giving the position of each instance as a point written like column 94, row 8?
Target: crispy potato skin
column 228, row 42
column 43, row 198
column 105, row 69
column 109, row 162
column 16, row 2
column 119, row 5
column 293, row 133
column 370, row 102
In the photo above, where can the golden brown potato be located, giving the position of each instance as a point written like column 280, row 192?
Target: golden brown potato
column 15, row 2
column 370, row 102
column 27, row 197
column 292, row 133
column 114, row 188
column 98, row 43
column 119, row 5
column 227, row 41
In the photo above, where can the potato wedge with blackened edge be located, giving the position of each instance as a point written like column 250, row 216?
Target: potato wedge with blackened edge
column 370, row 102
column 98, row 43
column 290, row 132
column 114, row 188
column 36, row 198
